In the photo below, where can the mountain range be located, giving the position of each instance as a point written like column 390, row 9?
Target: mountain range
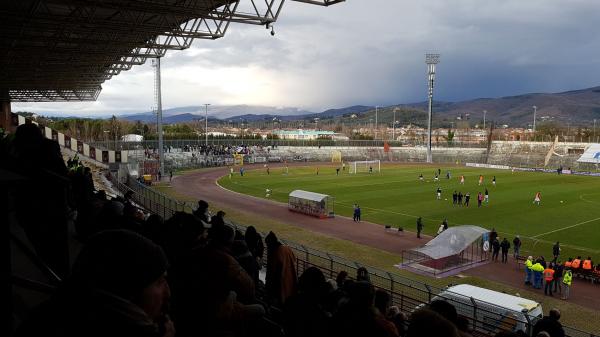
column 577, row 107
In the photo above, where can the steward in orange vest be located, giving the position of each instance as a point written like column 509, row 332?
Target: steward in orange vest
column 587, row 264
column 548, row 278
column 576, row 263
column 568, row 263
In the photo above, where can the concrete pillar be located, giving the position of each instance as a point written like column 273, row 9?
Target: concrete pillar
column 5, row 114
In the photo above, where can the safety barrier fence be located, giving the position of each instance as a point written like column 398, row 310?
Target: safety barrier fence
column 407, row 294
column 180, row 143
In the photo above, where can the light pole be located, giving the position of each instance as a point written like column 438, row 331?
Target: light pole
column 431, row 60
column 394, row 125
column 206, row 124
column 376, row 110
column 534, row 112
column 484, row 112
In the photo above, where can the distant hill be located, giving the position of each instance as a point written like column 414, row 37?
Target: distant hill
column 578, row 107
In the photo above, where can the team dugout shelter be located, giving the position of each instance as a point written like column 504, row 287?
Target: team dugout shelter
column 311, row 203
column 452, row 251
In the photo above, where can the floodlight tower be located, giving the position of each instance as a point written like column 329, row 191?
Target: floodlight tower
column 158, row 101
column 431, row 60
column 534, row 112
column 206, row 124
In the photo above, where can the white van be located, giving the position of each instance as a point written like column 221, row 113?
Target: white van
column 492, row 310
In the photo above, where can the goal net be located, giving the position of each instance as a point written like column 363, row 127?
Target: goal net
column 368, row 166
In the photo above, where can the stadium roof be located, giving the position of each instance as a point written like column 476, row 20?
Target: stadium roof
column 61, row 50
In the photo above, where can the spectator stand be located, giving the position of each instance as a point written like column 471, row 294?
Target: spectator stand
column 315, row 204
column 454, row 250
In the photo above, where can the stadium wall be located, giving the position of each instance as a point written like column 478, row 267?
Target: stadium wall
column 75, row 146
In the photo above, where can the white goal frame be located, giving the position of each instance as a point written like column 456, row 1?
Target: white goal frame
column 363, row 166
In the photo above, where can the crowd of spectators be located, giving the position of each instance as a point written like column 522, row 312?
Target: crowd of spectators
column 189, row 275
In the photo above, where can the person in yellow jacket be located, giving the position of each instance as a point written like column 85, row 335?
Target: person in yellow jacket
column 567, row 280
column 538, row 271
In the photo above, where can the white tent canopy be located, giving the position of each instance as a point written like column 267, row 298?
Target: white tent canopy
column 308, row 195
column 451, row 241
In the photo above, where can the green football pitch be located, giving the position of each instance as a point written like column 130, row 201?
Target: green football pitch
column 569, row 210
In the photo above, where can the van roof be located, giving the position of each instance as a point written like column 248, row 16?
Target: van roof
column 507, row 301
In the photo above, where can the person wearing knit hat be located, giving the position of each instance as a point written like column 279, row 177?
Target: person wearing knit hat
column 117, row 288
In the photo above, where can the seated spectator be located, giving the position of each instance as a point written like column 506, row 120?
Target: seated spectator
column 202, row 211
column 550, row 324
column 117, row 288
column 281, row 271
column 425, row 322
column 359, row 317
column 218, row 219
column 255, row 243
column 179, row 235
column 448, row 311
column 399, row 319
column 303, row 313
column 362, row 274
column 242, row 254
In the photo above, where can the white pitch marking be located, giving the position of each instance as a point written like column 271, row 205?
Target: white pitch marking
column 562, row 229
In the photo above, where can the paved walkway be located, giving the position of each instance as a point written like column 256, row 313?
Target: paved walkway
column 202, row 185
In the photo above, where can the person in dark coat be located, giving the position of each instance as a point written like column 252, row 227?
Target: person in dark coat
column 495, row 249
column 303, row 313
column 117, row 288
column 255, row 243
column 505, row 245
column 419, row 227
column 550, row 324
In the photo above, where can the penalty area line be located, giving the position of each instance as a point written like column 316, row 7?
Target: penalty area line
column 562, row 229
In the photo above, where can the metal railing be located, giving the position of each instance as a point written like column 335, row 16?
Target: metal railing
column 180, row 143
column 408, row 294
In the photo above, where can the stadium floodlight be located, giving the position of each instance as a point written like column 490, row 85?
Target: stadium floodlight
column 206, row 124
column 484, row 112
column 159, row 117
column 534, row 112
column 431, row 60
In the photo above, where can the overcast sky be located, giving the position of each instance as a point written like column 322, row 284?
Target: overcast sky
column 371, row 52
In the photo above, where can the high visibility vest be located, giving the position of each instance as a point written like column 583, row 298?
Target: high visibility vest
column 549, row 274
column 568, row 264
column 537, row 267
column 575, row 264
column 528, row 264
column 568, row 278
column 587, row 264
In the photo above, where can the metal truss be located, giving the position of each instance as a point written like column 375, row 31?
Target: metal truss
column 321, row 2
column 52, row 50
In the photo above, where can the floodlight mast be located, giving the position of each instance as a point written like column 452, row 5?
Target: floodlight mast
column 158, row 101
column 431, row 60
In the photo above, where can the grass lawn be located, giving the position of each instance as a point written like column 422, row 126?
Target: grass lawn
column 397, row 197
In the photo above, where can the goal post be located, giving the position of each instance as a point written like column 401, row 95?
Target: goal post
column 365, row 166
